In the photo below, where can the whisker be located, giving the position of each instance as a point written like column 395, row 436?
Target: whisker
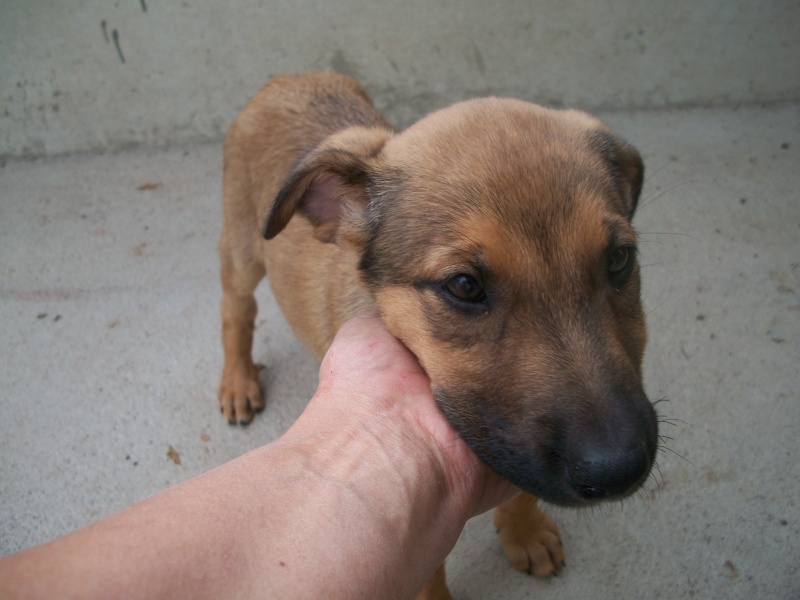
column 658, row 469
column 672, row 421
column 675, row 233
column 653, row 485
column 652, row 199
column 668, row 449
column 650, row 176
column 643, row 492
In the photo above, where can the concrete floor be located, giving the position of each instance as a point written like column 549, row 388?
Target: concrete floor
column 110, row 355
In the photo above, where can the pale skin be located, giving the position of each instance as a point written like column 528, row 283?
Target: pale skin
column 363, row 497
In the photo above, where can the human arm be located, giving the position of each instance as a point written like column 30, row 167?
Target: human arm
column 363, row 497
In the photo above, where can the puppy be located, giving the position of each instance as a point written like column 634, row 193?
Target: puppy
column 494, row 238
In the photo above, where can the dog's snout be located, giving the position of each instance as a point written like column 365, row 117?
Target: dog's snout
column 614, row 463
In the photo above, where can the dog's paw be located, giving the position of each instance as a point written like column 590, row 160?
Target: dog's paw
column 436, row 587
column 239, row 394
column 529, row 537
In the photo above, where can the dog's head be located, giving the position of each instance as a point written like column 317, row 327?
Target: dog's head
column 496, row 239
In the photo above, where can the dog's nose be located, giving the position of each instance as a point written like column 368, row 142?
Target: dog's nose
column 614, row 464
column 603, row 474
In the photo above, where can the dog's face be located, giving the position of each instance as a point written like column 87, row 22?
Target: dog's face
column 496, row 239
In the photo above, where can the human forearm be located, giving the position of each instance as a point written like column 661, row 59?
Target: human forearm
column 187, row 542
column 337, row 517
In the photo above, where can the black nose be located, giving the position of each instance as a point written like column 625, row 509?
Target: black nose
column 605, row 474
column 613, row 461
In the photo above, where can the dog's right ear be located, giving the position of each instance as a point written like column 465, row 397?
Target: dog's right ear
column 626, row 167
column 328, row 182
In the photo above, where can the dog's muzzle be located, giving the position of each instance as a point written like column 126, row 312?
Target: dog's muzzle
column 571, row 460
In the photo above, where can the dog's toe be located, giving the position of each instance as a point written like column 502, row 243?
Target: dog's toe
column 243, row 409
column 531, row 539
column 240, row 397
column 539, row 555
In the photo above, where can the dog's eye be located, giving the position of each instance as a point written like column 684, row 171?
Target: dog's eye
column 465, row 288
column 619, row 259
column 620, row 264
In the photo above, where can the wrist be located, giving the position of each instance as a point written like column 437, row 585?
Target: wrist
column 384, row 478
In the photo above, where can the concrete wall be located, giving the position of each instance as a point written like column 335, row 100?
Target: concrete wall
column 97, row 74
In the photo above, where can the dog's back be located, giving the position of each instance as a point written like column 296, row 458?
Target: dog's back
column 282, row 123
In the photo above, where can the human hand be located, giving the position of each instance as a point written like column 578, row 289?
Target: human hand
column 367, row 375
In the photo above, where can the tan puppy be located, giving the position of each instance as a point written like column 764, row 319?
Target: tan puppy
column 494, row 239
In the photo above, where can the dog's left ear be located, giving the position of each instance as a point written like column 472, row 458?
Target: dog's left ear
column 329, row 183
column 626, row 166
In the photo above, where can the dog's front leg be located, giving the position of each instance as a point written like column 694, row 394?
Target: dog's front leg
column 529, row 537
column 239, row 393
column 436, row 587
